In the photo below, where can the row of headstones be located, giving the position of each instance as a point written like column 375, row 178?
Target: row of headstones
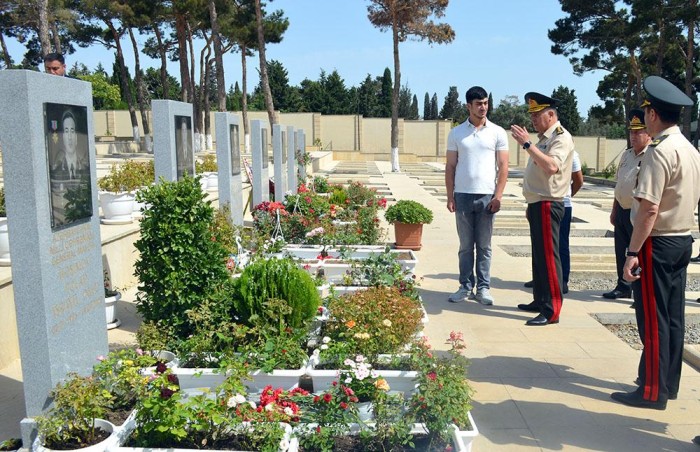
column 47, row 139
column 173, row 151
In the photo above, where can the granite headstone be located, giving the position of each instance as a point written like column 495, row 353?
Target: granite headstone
column 51, row 197
column 291, row 160
column 173, row 140
column 228, row 159
column 279, row 156
column 261, row 171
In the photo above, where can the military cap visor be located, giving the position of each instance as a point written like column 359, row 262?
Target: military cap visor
column 664, row 95
column 538, row 102
column 636, row 118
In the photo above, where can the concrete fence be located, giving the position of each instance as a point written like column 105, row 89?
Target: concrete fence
column 356, row 138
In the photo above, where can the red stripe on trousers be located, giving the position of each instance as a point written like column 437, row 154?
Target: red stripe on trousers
column 651, row 325
column 550, row 263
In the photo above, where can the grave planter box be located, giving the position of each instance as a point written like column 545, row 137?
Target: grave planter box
column 126, row 432
column 117, row 208
column 192, row 378
column 398, row 380
column 106, row 444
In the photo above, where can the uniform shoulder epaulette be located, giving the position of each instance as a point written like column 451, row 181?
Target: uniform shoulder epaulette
column 658, row 140
column 559, row 130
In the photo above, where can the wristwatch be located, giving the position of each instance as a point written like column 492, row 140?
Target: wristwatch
column 632, row 253
column 527, row 144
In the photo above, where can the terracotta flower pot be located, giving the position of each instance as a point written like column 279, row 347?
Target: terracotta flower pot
column 408, row 236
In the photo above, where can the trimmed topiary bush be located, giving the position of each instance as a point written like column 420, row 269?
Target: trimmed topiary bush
column 266, row 279
column 181, row 264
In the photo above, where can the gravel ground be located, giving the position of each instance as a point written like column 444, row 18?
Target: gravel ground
column 606, row 284
column 629, row 334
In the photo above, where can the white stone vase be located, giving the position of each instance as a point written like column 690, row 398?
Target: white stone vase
column 117, row 208
column 107, row 444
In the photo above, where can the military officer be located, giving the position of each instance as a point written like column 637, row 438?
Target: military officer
column 667, row 191
column 626, row 180
column 545, row 184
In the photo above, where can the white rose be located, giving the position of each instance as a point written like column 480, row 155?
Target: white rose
column 270, row 406
column 239, row 398
column 284, row 444
column 326, row 339
column 324, row 347
column 232, row 402
column 288, row 411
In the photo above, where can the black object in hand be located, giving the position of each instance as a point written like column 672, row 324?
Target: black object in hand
column 636, row 271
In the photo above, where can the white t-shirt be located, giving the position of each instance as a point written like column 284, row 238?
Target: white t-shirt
column 575, row 167
column 476, row 156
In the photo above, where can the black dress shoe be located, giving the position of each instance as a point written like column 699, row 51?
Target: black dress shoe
column 528, row 284
column 530, row 307
column 540, row 320
column 696, row 440
column 695, row 259
column 635, row 400
column 566, row 289
column 617, row 293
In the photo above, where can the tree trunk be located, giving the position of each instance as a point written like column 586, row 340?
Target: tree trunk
column 43, row 8
column 125, row 81
column 181, row 33
column 56, row 38
column 395, row 101
column 196, row 103
column 267, row 94
column 190, row 44
column 689, row 55
column 163, row 63
column 218, row 57
column 5, row 53
column 203, row 94
column 140, row 98
column 244, row 100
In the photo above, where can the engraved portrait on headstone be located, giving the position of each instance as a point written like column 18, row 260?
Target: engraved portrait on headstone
column 235, row 151
column 184, row 156
column 65, row 128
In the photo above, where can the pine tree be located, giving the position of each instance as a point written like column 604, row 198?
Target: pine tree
column 414, row 109
column 434, row 107
column 385, row 95
column 426, row 107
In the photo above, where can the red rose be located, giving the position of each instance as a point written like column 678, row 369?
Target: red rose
column 161, row 367
column 432, row 376
column 327, row 398
column 343, row 405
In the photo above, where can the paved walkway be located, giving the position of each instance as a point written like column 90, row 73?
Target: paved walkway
column 537, row 388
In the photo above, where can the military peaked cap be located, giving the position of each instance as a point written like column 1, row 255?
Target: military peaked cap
column 636, row 118
column 664, row 95
column 538, row 102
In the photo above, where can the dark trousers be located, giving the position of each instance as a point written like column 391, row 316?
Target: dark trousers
column 623, row 235
column 545, row 218
column 659, row 297
column 564, row 253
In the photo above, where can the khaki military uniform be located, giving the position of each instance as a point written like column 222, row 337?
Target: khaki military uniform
column 627, row 172
column 545, row 210
column 669, row 176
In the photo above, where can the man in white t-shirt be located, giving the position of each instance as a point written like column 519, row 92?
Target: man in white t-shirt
column 475, row 177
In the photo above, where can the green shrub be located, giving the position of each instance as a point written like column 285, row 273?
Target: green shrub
column 3, row 211
column 128, row 176
column 408, row 211
column 265, row 279
column 207, row 165
column 181, row 264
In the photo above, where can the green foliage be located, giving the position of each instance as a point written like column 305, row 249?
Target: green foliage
column 369, row 322
column 180, row 264
column 452, row 108
column 444, row 394
column 266, row 279
column 105, row 95
column 119, row 373
column 207, row 165
column 152, row 336
column 408, row 211
column 3, row 209
column 609, row 171
column 128, row 176
column 568, row 109
column 321, row 184
column 213, row 420
column 511, row 110
column 69, row 423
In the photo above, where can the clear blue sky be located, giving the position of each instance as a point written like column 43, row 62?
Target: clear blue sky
column 500, row 45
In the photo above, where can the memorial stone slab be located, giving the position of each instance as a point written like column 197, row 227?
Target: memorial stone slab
column 291, row 160
column 228, row 159
column 51, row 198
column 261, row 171
column 301, row 147
column 173, row 140
column 279, row 156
